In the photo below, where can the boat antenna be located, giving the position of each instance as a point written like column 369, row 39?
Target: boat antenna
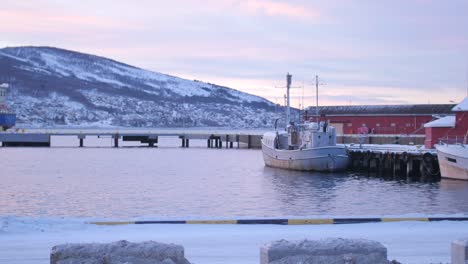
column 288, row 109
column 316, row 95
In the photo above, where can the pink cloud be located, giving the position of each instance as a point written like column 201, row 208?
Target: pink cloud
column 41, row 21
column 278, row 9
column 264, row 7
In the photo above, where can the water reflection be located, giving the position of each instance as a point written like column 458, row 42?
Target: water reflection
column 200, row 182
column 300, row 192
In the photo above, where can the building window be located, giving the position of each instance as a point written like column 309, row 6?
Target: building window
column 377, row 125
column 408, row 124
column 363, row 125
column 350, row 124
column 392, row 124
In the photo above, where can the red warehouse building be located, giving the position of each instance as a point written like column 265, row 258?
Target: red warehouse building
column 380, row 119
column 451, row 129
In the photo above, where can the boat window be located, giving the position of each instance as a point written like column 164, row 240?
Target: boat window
column 452, row 160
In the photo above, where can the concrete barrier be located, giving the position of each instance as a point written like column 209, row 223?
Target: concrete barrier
column 460, row 251
column 330, row 251
column 118, row 253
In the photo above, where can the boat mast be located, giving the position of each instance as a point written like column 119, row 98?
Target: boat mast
column 316, row 96
column 288, row 86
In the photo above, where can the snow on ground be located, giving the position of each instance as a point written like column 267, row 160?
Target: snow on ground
column 27, row 240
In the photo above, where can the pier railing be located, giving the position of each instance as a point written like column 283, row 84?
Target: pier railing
column 381, row 139
column 454, row 140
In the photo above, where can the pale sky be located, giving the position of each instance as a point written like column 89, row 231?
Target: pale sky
column 365, row 52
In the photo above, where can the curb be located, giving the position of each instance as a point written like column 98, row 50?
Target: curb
column 316, row 221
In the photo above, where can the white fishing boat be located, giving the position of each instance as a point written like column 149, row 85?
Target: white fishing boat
column 310, row 146
column 453, row 161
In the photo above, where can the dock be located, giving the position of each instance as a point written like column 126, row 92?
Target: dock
column 395, row 162
column 149, row 137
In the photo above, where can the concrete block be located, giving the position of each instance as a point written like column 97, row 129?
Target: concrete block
column 460, row 251
column 118, row 253
column 330, row 251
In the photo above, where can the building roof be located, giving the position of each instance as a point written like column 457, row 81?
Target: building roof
column 447, row 121
column 463, row 106
column 419, row 109
column 4, row 85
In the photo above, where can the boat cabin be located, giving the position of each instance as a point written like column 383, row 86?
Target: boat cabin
column 302, row 136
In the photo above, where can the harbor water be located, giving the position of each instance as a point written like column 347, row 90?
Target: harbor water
column 132, row 182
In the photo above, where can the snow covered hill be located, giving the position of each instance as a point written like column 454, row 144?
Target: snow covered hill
column 51, row 86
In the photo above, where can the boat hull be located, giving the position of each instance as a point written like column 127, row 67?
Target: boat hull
column 453, row 162
column 7, row 120
column 326, row 159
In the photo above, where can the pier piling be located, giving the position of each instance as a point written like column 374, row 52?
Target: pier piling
column 116, row 141
column 394, row 163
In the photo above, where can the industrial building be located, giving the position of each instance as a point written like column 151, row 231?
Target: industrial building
column 452, row 129
column 380, row 119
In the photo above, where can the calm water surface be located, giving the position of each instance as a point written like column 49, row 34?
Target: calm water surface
column 133, row 182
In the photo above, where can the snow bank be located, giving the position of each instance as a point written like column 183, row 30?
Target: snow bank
column 329, row 250
column 29, row 240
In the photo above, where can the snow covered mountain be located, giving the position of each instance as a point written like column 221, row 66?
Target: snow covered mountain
column 51, row 86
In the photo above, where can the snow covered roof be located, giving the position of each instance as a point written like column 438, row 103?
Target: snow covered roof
column 419, row 109
column 4, row 85
column 463, row 106
column 447, row 121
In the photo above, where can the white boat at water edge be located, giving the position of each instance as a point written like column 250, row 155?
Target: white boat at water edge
column 310, row 146
column 453, row 161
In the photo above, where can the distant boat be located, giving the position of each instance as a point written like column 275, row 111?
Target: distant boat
column 310, row 146
column 453, row 161
column 7, row 119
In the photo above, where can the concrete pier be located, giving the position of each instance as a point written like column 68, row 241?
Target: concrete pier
column 215, row 139
column 24, row 140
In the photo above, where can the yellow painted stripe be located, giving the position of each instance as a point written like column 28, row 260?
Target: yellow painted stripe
column 112, row 223
column 219, row 222
column 309, row 221
column 424, row 219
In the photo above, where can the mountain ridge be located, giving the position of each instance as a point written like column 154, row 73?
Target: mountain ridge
column 53, row 86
